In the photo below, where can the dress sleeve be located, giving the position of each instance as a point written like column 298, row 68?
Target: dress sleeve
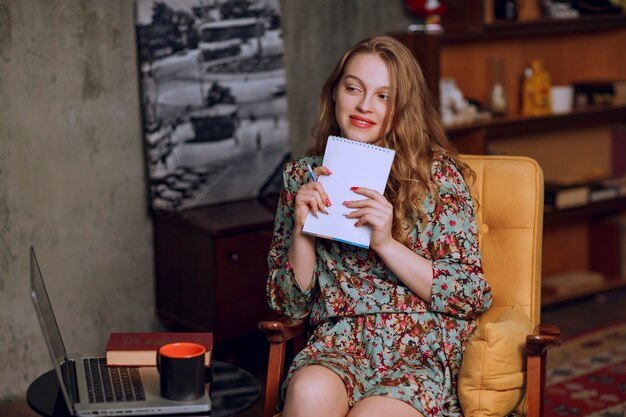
column 459, row 286
column 283, row 292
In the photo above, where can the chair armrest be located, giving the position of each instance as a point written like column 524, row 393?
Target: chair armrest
column 543, row 336
column 282, row 329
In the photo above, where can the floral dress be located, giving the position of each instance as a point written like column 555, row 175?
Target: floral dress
column 370, row 328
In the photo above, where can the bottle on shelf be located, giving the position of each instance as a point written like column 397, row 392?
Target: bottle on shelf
column 497, row 96
column 535, row 90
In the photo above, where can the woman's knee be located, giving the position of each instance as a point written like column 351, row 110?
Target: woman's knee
column 316, row 386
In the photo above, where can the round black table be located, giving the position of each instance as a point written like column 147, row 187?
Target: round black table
column 233, row 390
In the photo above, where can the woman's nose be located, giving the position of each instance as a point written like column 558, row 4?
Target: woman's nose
column 364, row 104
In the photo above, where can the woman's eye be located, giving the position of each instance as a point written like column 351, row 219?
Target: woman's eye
column 353, row 89
column 384, row 97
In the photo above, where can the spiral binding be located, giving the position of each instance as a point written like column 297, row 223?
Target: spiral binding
column 364, row 145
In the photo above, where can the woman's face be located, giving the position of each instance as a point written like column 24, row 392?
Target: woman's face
column 362, row 98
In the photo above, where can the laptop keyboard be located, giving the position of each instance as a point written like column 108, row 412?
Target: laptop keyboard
column 112, row 384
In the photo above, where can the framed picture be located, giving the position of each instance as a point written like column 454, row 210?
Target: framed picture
column 213, row 96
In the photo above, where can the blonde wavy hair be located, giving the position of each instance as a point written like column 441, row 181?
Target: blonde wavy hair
column 412, row 125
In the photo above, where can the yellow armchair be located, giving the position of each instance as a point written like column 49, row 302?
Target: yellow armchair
column 509, row 191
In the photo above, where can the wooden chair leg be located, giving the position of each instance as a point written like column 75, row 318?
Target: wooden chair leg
column 275, row 369
column 545, row 335
column 535, row 385
column 279, row 333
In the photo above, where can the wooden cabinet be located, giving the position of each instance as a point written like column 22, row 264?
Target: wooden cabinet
column 211, row 268
column 573, row 144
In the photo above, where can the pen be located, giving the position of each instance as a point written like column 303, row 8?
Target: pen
column 311, row 173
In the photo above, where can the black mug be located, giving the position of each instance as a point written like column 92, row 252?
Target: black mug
column 181, row 369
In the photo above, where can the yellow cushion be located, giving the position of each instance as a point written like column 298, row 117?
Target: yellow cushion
column 491, row 382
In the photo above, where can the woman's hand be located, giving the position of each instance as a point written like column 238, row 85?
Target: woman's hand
column 311, row 197
column 375, row 211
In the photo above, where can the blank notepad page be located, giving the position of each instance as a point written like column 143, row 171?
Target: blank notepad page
column 353, row 164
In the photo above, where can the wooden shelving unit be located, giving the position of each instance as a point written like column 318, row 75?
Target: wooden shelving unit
column 572, row 50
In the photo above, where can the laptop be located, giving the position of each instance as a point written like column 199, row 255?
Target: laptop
column 91, row 388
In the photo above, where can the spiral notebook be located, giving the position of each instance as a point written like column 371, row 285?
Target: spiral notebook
column 352, row 164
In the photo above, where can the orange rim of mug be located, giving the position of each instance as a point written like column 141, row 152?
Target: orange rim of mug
column 182, row 350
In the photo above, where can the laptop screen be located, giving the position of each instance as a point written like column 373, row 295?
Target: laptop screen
column 49, row 326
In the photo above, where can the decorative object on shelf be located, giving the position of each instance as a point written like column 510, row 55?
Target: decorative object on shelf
column 429, row 12
column 562, row 98
column 599, row 92
column 617, row 184
column 565, row 196
column 568, row 194
column 536, row 98
column 596, row 7
column 213, row 99
column 506, row 10
column 560, row 9
column 497, row 96
column 454, row 108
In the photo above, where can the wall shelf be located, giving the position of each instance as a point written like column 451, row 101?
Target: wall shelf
column 549, row 299
column 540, row 27
column 508, row 126
column 600, row 208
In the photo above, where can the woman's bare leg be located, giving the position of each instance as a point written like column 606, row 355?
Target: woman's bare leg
column 316, row 391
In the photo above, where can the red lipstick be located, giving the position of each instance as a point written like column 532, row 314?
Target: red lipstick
column 360, row 121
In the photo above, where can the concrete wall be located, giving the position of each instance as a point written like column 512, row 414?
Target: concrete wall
column 71, row 179
column 316, row 35
column 71, row 161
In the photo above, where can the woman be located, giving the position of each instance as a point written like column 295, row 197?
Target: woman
column 392, row 321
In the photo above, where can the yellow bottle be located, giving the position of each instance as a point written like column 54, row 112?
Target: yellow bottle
column 536, row 98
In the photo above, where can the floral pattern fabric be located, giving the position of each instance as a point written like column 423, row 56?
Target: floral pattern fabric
column 371, row 329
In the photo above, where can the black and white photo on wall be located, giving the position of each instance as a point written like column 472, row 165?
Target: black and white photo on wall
column 214, row 108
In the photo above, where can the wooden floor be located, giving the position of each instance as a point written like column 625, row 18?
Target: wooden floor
column 572, row 318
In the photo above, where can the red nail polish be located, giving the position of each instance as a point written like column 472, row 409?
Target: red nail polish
column 354, row 188
column 346, row 203
column 327, row 202
column 328, row 172
column 356, row 224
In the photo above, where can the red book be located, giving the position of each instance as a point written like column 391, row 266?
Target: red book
column 139, row 349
